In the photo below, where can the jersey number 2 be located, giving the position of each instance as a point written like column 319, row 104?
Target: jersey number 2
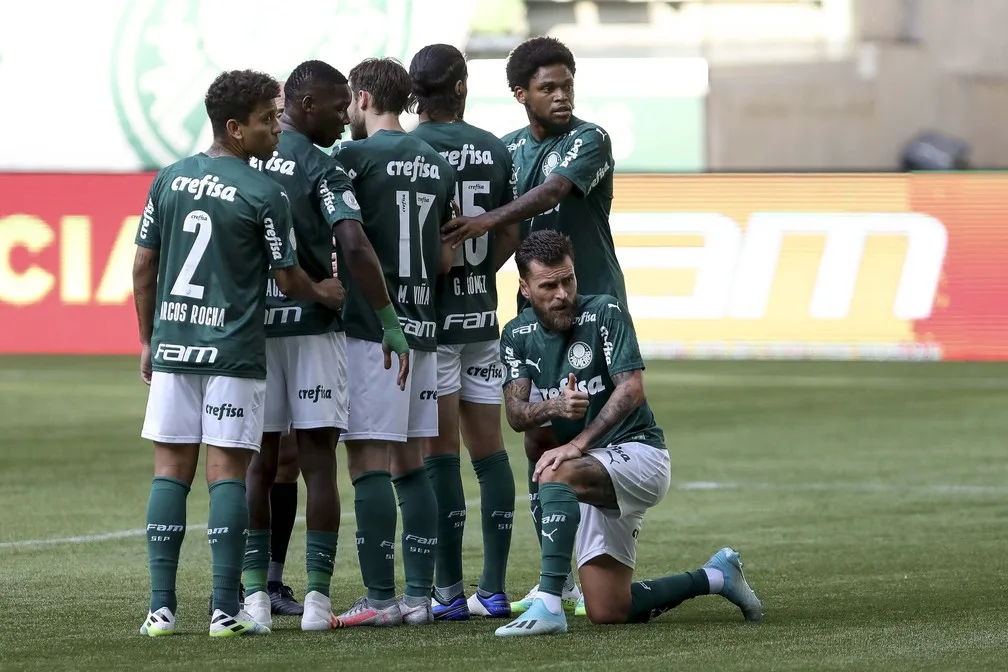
column 425, row 202
column 197, row 222
column 475, row 248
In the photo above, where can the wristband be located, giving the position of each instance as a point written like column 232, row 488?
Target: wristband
column 388, row 318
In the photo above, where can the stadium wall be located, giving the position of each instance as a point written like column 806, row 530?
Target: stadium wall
column 837, row 266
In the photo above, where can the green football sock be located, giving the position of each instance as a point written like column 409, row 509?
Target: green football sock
column 419, row 508
column 320, row 556
column 166, row 523
column 650, row 599
column 226, row 529
column 561, row 514
column 445, row 477
column 497, row 500
column 257, row 557
column 534, row 504
column 375, row 510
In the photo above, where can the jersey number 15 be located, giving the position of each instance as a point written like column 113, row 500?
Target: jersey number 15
column 475, row 249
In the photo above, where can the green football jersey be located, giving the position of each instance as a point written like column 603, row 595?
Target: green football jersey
column 601, row 344
column 467, row 297
column 405, row 189
column 584, row 156
column 321, row 195
column 219, row 225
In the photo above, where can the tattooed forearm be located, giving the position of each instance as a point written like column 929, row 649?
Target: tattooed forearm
column 145, row 270
column 522, row 414
column 628, row 395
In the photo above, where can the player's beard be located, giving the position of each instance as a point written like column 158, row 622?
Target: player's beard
column 547, row 122
column 358, row 131
column 559, row 321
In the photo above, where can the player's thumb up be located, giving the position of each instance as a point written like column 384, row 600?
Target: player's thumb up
column 571, row 382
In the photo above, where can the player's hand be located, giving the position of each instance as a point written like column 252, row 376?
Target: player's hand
column 403, row 365
column 331, row 290
column 552, row 459
column 145, row 364
column 572, row 404
column 456, row 231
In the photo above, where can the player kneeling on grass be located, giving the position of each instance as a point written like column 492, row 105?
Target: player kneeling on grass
column 611, row 466
column 212, row 228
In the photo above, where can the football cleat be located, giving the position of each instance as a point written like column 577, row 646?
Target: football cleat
column 282, row 602
column 416, row 614
column 571, row 595
column 736, row 588
column 257, row 605
column 457, row 610
column 364, row 613
column 159, row 623
column 222, row 625
column 317, row 616
column 537, row 620
column 495, row 606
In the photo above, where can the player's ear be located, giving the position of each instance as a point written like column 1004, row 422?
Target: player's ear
column 234, row 129
column 364, row 100
column 520, row 94
column 307, row 103
column 524, row 288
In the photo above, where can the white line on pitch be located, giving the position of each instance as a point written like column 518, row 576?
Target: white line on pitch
column 125, row 534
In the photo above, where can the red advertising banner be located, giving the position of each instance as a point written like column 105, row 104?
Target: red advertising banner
column 784, row 266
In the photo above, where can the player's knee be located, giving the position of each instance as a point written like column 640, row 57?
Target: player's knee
column 288, row 464
column 562, row 474
column 604, row 614
column 317, row 451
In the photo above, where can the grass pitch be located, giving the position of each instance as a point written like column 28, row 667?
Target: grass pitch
column 869, row 502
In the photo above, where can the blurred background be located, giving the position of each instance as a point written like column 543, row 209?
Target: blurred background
column 722, row 113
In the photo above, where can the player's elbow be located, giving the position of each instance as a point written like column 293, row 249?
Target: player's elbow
column 633, row 388
column 556, row 187
column 144, row 267
column 286, row 281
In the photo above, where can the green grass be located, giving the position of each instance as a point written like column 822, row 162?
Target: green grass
column 869, row 502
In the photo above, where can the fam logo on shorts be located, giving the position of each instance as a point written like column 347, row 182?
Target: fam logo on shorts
column 579, row 355
column 166, row 52
column 551, row 161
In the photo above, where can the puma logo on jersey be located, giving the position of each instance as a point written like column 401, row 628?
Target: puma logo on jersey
column 468, row 156
column 600, row 132
column 208, row 185
column 529, row 362
column 417, row 168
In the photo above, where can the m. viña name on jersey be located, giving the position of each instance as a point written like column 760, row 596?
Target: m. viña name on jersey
column 417, row 168
column 276, row 164
column 208, row 185
column 469, row 155
column 180, row 311
column 591, row 387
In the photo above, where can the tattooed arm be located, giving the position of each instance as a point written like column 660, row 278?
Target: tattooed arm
column 628, row 395
column 523, row 414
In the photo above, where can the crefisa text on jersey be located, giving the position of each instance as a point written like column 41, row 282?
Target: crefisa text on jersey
column 469, row 155
column 208, row 185
column 179, row 311
column 417, row 168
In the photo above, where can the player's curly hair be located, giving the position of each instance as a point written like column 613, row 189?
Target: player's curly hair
column 308, row 74
column 386, row 80
column 434, row 70
column 235, row 94
column 546, row 247
column 534, row 53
